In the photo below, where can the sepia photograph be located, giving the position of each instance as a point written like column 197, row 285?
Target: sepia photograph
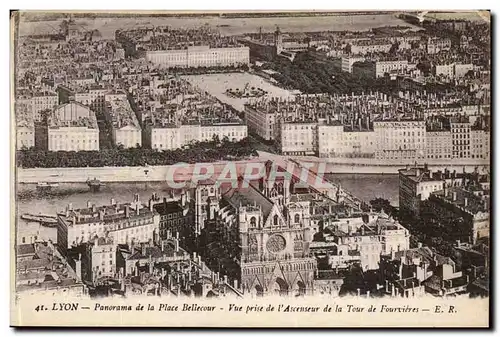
column 250, row 168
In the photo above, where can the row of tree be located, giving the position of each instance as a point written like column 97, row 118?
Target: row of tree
column 311, row 75
column 209, row 151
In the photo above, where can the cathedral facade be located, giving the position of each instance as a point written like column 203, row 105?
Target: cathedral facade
column 265, row 235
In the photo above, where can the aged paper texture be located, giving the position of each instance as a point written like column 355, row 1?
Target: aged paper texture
column 251, row 169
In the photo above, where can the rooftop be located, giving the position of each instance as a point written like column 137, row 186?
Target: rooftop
column 72, row 114
column 464, row 199
column 121, row 113
column 112, row 213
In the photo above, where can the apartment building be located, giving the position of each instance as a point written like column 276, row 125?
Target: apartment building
column 438, row 144
column 436, row 45
column 401, row 139
column 390, row 66
column 347, row 61
column 370, row 46
column 460, row 203
column 41, row 101
column 452, row 70
column 25, row 127
column 417, row 183
column 479, row 144
column 262, row 121
column 168, row 136
column 124, row 223
column 298, row 138
column 360, row 239
column 200, row 56
column 73, row 127
column 461, row 134
column 330, row 140
column 100, row 259
column 126, row 130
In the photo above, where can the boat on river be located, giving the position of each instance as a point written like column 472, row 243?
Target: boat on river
column 94, row 184
column 43, row 219
column 45, row 186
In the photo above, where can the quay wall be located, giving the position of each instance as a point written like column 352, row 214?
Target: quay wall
column 184, row 173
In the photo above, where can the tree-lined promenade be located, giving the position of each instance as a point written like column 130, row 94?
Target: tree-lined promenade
column 200, row 152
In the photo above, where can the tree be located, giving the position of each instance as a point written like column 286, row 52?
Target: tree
column 379, row 204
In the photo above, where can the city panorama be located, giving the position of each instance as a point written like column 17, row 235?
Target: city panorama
column 246, row 155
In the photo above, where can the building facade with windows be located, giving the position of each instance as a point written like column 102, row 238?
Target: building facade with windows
column 400, row 139
column 124, row 223
column 73, row 127
column 298, row 138
column 200, row 56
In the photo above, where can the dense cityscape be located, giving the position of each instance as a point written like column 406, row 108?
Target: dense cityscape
column 413, row 100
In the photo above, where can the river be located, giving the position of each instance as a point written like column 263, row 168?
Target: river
column 29, row 200
column 227, row 26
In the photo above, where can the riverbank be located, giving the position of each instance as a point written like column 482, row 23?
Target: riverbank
column 185, row 172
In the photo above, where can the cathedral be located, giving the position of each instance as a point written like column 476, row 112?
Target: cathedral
column 258, row 234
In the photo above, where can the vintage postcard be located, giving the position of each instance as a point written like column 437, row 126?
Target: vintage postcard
column 251, row 169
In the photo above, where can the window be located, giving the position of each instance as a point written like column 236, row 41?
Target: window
column 275, row 222
column 297, row 218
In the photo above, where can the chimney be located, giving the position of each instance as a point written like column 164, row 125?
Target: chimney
column 235, row 284
column 127, row 211
column 176, row 242
column 465, row 202
column 454, row 196
column 70, row 206
column 151, row 205
column 419, row 245
column 94, row 208
column 101, row 215
column 113, row 201
column 89, row 204
column 183, row 199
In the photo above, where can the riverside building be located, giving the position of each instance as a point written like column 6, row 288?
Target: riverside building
column 124, row 223
column 73, row 127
